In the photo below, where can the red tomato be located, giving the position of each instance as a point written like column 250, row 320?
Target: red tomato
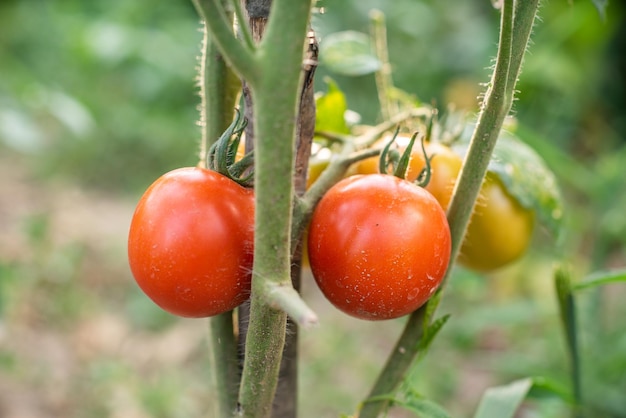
column 378, row 246
column 190, row 243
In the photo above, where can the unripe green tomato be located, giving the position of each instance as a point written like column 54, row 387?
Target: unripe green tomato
column 499, row 231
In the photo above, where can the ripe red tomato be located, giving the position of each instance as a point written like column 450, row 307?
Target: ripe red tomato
column 378, row 246
column 190, row 243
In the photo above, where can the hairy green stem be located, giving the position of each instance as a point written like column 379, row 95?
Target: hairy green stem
column 497, row 104
column 272, row 69
column 223, row 365
column 384, row 82
column 241, row 57
column 275, row 94
column 218, row 92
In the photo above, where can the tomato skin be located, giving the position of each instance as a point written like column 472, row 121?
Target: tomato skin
column 378, row 246
column 499, row 231
column 190, row 242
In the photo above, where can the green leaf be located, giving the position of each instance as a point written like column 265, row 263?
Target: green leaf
column 348, row 53
column 528, row 179
column 545, row 387
column 601, row 5
column 525, row 175
column 503, row 401
column 424, row 408
column 601, row 278
column 330, row 110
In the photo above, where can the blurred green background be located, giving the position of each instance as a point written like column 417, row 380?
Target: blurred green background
column 99, row 98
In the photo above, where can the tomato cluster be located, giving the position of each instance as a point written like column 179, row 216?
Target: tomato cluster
column 190, row 243
column 378, row 245
column 500, row 228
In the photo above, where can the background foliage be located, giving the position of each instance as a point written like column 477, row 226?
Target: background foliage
column 98, row 98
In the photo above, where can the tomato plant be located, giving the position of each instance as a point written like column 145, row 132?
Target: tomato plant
column 500, row 228
column 378, row 246
column 191, row 240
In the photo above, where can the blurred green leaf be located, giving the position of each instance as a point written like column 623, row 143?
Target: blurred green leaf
column 503, row 401
column 330, row 109
column 528, row 179
column 525, row 175
column 601, row 5
column 348, row 53
column 546, row 387
column 601, row 278
column 425, row 408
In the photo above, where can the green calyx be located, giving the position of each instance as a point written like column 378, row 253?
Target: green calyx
column 400, row 162
column 222, row 156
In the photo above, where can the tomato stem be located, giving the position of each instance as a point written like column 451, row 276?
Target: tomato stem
column 223, row 363
column 303, row 207
column 218, row 90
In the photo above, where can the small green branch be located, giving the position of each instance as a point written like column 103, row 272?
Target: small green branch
column 384, row 82
column 240, row 56
column 497, row 104
column 286, row 298
column 244, row 30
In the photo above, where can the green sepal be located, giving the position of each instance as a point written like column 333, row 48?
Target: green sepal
column 223, row 153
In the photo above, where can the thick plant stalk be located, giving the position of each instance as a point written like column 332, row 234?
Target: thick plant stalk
column 218, row 91
column 516, row 22
column 223, row 365
column 275, row 130
column 272, row 70
column 285, row 401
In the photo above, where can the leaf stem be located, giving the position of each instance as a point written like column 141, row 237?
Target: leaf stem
column 567, row 310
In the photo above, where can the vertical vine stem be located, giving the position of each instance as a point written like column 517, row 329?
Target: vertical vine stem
column 516, row 22
column 384, row 82
column 273, row 71
column 223, row 365
column 218, row 91
column 275, row 98
column 567, row 310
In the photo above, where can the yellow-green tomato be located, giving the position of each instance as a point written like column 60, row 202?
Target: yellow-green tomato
column 499, row 231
